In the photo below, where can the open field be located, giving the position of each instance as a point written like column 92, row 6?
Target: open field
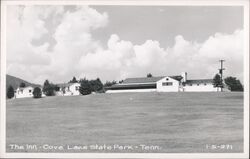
column 176, row 122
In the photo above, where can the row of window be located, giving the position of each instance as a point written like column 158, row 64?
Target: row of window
column 167, row 83
column 21, row 91
column 171, row 83
column 196, row 84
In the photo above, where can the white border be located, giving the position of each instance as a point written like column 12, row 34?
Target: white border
column 244, row 3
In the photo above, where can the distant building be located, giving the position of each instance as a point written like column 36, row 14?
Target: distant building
column 23, row 92
column 68, row 89
column 164, row 84
column 65, row 89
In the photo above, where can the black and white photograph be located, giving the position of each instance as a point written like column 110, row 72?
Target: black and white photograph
column 125, row 79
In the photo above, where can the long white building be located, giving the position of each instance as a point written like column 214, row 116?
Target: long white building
column 164, row 84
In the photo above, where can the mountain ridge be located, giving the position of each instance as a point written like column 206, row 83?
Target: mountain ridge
column 15, row 82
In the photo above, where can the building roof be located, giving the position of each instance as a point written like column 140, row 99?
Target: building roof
column 178, row 78
column 198, row 81
column 132, row 86
column 148, row 79
column 22, row 88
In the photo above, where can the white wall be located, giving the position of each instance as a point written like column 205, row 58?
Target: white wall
column 131, row 90
column 74, row 89
column 171, row 88
column 70, row 90
column 200, row 88
column 24, row 92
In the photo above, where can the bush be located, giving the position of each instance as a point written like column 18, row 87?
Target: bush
column 96, row 85
column 109, row 84
column 217, row 81
column 37, row 93
column 10, row 92
column 149, row 75
column 48, row 88
column 234, row 84
column 85, row 87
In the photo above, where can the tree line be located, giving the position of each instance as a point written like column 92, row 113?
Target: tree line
column 96, row 86
column 86, row 86
column 232, row 83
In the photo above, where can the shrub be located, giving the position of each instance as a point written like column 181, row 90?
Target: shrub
column 48, row 88
column 10, row 92
column 234, row 84
column 85, row 87
column 37, row 93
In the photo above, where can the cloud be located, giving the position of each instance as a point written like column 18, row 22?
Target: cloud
column 123, row 59
column 77, row 53
column 72, row 35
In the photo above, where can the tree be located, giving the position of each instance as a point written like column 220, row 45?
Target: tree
column 22, row 84
column 217, row 81
column 73, row 80
column 37, row 92
column 149, row 75
column 48, row 88
column 109, row 84
column 233, row 84
column 121, row 81
column 10, row 92
column 56, row 87
column 96, row 85
column 85, row 87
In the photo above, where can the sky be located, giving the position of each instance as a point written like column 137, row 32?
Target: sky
column 118, row 42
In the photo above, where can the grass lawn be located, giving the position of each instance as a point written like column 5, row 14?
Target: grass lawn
column 175, row 122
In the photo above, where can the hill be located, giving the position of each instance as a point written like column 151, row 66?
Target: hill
column 15, row 82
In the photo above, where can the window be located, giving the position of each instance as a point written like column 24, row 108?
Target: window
column 205, row 84
column 22, row 91
column 190, row 84
column 77, row 88
column 30, row 91
column 167, row 83
column 167, row 79
column 198, row 84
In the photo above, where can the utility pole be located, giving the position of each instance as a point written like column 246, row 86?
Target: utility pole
column 221, row 73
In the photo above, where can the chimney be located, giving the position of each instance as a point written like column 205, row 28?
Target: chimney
column 184, row 76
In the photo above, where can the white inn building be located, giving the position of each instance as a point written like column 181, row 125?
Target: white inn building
column 164, row 84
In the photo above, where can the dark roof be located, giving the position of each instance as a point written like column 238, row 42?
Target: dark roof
column 198, row 81
column 132, row 86
column 22, row 88
column 142, row 80
column 178, row 78
column 148, row 79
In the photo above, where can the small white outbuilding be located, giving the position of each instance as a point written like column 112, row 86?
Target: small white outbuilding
column 23, row 92
column 68, row 89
